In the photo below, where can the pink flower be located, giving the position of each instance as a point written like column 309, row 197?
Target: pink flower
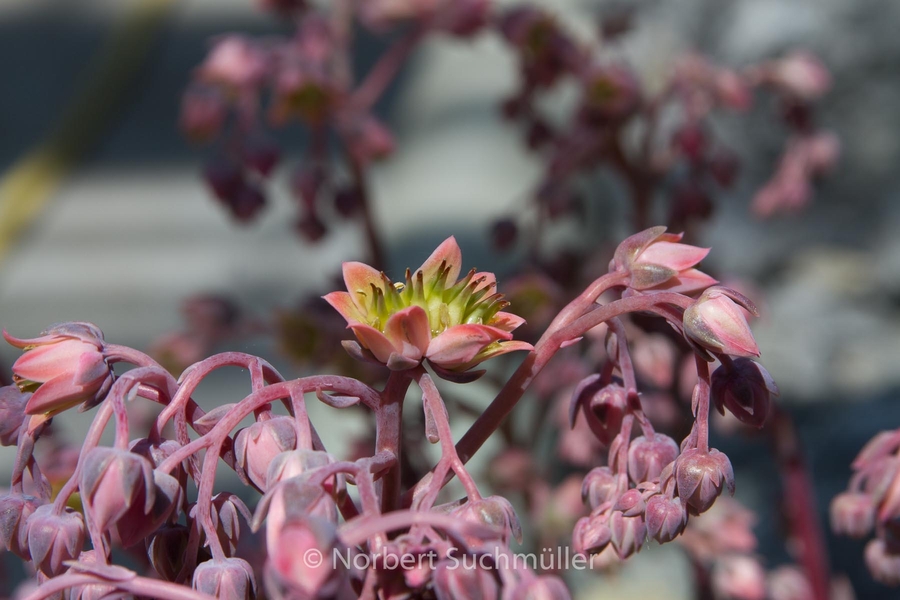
column 657, row 260
column 234, row 62
column 64, row 367
column 455, row 325
column 716, row 323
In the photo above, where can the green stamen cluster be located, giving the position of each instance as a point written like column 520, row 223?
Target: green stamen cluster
column 446, row 305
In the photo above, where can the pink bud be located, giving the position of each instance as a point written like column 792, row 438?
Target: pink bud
column 853, row 514
column 600, row 485
column 630, row 504
column 715, row 323
column 494, row 511
column 166, row 549
column 257, row 445
column 112, row 481
column 700, row 477
column 87, row 562
column 66, row 366
column 451, row 582
column 591, row 535
column 54, row 538
column 883, row 564
column 745, row 388
column 628, row 533
column 290, row 549
column 648, row 457
column 226, row 579
column 12, row 414
column 666, row 518
column 603, row 407
column 226, row 507
column 138, row 522
column 14, row 512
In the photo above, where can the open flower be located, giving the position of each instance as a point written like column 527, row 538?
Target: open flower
column 454, row 324
column 64, row 367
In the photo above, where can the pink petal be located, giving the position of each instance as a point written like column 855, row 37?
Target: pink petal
column 90, row 370
column 46, row 362
column 448, row 251
column 374, row 341
column 506, row 321
column 673, row 255
column 23, row 343
column 459, row 344
column 502, row 348
column 409, row 331
column 343, row 303
column 57, row 395
column 686, row 282
column 359, row 277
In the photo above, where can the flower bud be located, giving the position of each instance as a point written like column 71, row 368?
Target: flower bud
column 700, row 477
column 12, row 414
column 226, row 579
column 666, row 518
column 166, row 549
column 883, row 564
column 64, row 367
column 87, row 561
column 715, row 323
column 257, row 445
column 648, row 456
column 291, row 548
column 603, row 407
column 591, row 535
column 853, row 514
column 600, row 485
column 295, row 462
column 628, row 533
column 493, row 511
column 451, row 582
column 54, row 538
column 745, row 388
column 14, row 512
column 225, row 510
column 630, row 504
column 112, row 481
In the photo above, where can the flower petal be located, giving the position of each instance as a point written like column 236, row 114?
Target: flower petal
column 506, row 321
column 359, row 278
column 408, row 330
column 374, row 341
column 448, row 252
column 499, row 349
column 459, row 344
column 674, row 256
column 686, row 282
column 344, row 304
column 57, row 395
column 48, row 361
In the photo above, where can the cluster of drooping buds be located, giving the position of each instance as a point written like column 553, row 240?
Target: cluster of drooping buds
column 872, row 502
column 652, row 485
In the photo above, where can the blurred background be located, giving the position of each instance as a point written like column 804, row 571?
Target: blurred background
column 118, row 229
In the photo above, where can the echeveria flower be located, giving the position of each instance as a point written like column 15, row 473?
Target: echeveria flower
column 454, row 324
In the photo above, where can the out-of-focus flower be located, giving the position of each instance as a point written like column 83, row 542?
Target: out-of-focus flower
column 234, row 62
column 64, row 367
column 853, row 514
column 800, row 74
column 739, row 577
column 715, row 323
column 745, row 388
column 203, row 113
column 600, row 485
column 610, row 93
column 454, row 324
column 367, row 139
column 883, row 564
column 657, row 260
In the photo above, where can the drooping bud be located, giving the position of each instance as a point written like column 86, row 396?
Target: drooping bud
column 226, row 579
column 257, row 445
column 591, row 535
column 715, row 323
column 628, row 533
column 14, row 512
column 295, row 462
column 630, row 504
column 166, row 549
column 494, row 511
column 745, row 388
column 853, row 514
column 700, row 477
column 600, row 485
column 112, row 481
column 648, row 456
column 138, row 522
column 12, row 413
column 300, row 554
column 666, row 518
column 226, row 507
column 451, row 582
column 54, row 539
column 603, row 407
